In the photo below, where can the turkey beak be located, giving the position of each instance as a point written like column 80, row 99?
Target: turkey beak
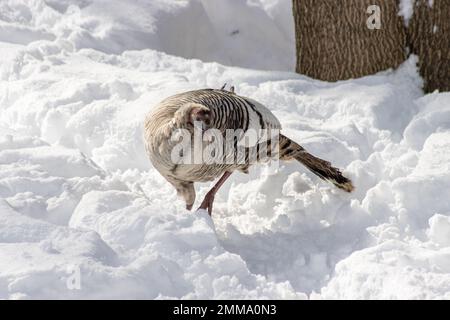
column 206, row 122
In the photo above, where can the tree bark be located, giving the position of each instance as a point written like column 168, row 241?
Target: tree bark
column 429, row 38
column 334, row 43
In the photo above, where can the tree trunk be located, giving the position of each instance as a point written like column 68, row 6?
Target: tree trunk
column 333, row 40
column 429, row 38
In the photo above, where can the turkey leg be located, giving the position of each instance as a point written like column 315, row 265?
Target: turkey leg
column 207, row 203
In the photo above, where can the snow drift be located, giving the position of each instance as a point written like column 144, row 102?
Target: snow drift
column 79, row 197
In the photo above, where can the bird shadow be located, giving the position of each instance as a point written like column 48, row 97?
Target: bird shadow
column 306, row 260
column 298, row 238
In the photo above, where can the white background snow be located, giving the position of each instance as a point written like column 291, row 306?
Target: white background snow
column 77, row 191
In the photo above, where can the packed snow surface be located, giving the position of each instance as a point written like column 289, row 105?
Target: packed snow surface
column 83, row 214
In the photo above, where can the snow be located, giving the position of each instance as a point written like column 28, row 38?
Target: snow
column 78, row 195
column 406, row 10
column 191, row 29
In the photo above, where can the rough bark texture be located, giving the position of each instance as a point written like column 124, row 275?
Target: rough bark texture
column 429, row 38
column 334, row 43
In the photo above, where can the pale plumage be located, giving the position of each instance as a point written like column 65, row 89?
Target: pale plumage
column 221, row 110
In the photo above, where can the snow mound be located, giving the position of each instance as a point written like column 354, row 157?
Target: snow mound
column 84, row 215
column 242, row 33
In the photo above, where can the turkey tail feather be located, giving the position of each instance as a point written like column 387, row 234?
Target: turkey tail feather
column 322, row 168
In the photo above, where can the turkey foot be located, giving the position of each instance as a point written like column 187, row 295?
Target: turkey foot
column 208, row 201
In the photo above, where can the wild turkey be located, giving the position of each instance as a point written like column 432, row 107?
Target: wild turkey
column 221, row 110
